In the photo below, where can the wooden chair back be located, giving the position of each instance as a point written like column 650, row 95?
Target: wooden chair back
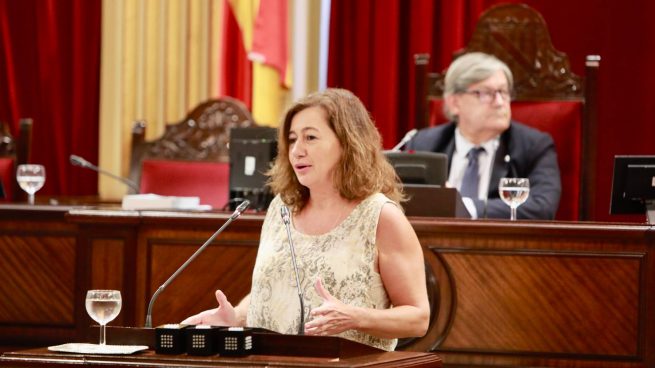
column 192, row 157
column 14, row 151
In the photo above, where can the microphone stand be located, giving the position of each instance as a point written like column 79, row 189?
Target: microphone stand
column 284, row 211
column 242, row 207
column 404, row 141
column 79, row 161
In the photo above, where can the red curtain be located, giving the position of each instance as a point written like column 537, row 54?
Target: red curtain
column 372, row 43
column 372, row 47
column 49, row 71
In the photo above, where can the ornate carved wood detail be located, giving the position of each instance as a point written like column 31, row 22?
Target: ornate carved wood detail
column 7, row 142
column 17, row 148
column 442, row 298
column 203, row 135
column 518, row 35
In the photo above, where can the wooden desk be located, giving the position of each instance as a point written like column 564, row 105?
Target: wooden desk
column 44, row 358
column 503, row 293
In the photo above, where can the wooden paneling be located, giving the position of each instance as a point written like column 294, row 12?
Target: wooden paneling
column 502, row 293
column 38, row 279
column 107, row 264
column 509, row 302
column 224, row 265
column 37, row 266
column 540, row 293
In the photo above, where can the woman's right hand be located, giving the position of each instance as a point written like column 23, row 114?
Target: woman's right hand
column 224, row 315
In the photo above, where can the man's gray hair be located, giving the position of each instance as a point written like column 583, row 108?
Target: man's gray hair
column 469, row 69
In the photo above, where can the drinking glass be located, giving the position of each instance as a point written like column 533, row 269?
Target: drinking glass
column 514, row 191
column 103, row 306
column 30, row 178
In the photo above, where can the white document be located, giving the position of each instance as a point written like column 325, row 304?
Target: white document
column 158, row 202
column 97, row 349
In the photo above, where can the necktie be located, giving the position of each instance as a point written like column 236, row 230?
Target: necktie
column 471, row 178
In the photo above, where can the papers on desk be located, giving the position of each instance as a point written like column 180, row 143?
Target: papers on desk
column 97, row 349
column 158, row 202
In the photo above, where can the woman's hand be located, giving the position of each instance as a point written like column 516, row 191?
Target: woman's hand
column 332, row 317
column 224, row 315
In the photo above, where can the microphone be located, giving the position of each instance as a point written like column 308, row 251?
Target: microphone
column 242, row 207
column 404, row 141
column 79, row 161
column 284, row 211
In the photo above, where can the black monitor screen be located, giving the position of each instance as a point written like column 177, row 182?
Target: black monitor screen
column 633, row 184
column 252, row 151
column 420, row 167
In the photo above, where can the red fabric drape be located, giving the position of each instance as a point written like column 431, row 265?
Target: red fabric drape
column 371, row 53
column 235, row 68
column 49, row 71
column 372, row 47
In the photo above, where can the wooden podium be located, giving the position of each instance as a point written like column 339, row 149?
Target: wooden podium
column 272, row 349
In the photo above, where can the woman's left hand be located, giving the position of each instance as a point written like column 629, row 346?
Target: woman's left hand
column 332, row 317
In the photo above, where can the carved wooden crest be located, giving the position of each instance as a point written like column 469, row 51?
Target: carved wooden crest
column 518, row 35
column 203, row 135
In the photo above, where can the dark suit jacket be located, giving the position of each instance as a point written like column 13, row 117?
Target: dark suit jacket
column 523, row 152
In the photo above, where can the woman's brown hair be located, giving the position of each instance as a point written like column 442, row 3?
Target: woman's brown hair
column 362, row 170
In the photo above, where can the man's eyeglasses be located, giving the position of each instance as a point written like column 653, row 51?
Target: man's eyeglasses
column 489, row 95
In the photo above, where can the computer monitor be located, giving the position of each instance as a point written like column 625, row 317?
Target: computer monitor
column 252, row 151
column 633, row 186
column 424, row 175
column 420, row 167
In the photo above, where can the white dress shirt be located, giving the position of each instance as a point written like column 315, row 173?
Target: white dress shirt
column 459, row 163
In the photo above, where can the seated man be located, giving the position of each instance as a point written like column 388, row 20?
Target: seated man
column 483, row 144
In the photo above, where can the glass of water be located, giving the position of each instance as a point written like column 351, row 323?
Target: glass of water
column 514, row 191
column 103, row 306
column 30, row 178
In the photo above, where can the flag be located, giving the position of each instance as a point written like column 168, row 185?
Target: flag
column 270, row 37
column 262, row 28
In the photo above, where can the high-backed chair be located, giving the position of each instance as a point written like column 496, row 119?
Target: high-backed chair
column 548, row 96
column 14, row 151
column 192, row 157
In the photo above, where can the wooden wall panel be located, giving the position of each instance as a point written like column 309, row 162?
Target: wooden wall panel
column 107, row 264
column 38, row 257
column 224, row 265
column 38, row 279
column 510, row 302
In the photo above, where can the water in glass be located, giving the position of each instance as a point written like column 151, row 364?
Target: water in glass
column 103, row 306
column 514, row 191
column 30, row 178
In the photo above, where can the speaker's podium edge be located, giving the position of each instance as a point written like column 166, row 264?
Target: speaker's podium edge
column 265, row 343
column 434, row 201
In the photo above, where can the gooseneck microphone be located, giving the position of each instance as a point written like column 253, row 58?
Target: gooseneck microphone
column 408, row 137
column 242, row 207
column 79, row 161
column 284, row 211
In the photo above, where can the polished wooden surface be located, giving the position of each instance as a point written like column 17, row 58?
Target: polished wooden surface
column 503, row 293
column 42, row 357
column 270, row 349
